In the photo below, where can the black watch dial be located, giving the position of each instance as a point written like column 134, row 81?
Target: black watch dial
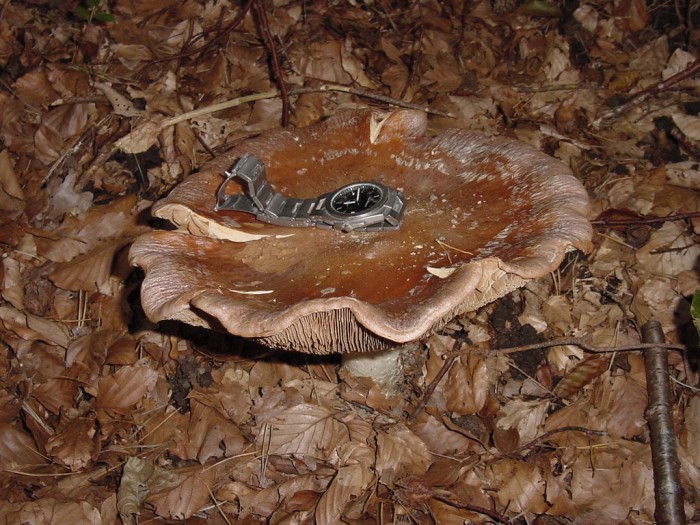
column 357, row 198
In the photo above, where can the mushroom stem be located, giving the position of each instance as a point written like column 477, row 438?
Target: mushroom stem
column 387, row 368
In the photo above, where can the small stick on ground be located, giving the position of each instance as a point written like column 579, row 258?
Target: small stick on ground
column 668, row 490
column 646, row 94
column 264, row 28
column 434, row 383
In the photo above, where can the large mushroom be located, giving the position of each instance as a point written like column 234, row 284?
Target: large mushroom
column 483, row 216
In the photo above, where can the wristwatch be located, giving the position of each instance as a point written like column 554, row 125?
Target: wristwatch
column 359, row 206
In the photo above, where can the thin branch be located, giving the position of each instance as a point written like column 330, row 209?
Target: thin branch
column 646, row 94
column 434, row 383
column 264, row 28
column 584, row 344
column 495, row 516
column 546, row 435
column 668, row 491
column 645, row 220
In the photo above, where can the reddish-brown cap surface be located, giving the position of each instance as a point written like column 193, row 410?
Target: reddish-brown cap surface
column 483, row 215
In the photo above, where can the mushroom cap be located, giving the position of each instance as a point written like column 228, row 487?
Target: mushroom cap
column 483, row 215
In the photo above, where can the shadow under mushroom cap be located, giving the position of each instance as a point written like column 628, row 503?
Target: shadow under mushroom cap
column 483, row 215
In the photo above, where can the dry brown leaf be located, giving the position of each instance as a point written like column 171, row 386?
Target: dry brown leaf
column 439, row 438
column 75, row 447
column 656, row 299
column 670, row 251
column 12, row 283
column 18, row 450
column 521, row 486
column 34, row 87
column 584, row 489
column 8, row 178
column 468, row 385
column 526, row 418
column 50, row 511
column 56, row 394
column 33, row 328
column 191, row 494
column 142, row 137
column 139, row 478
column 355, row 475
column 121, row 391
column 120, row 104
column 400, row 453
column 308, row 430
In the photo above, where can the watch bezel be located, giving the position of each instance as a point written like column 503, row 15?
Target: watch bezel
column 330, row 209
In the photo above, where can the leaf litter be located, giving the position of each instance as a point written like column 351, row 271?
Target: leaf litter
column 108, row 419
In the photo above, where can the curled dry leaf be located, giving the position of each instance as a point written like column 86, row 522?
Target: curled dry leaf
column 582, row 374
column 139, row 478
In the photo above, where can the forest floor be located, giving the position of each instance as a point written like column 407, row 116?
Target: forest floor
column 106, row 418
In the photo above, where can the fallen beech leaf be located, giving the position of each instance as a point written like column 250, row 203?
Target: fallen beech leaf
column 468, row 385
column 18, row 449
column 12, row 284
column 525, row 417
column 139, row 478
column 119, row 392
column 521, row 487
column 190, row 495
column 8, row 178
column 307, row 430
column 142, row 138
column 354, row 476
column 32, row 328
column 121, row 105
column 401, row 453
column 75, row 446
column 52, row 511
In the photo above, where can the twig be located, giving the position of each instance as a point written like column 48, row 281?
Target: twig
column 668, row 491
column 495, row 516
column 296, row 91
column 266, row 34
column 582, row 343
column 557, row 87
column 645, row 220
column 434, row 383
column 685, row 143
column 239, row 18
column 647, row 93
column 546, row 435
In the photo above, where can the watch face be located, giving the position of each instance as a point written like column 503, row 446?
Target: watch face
column 357, row 198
